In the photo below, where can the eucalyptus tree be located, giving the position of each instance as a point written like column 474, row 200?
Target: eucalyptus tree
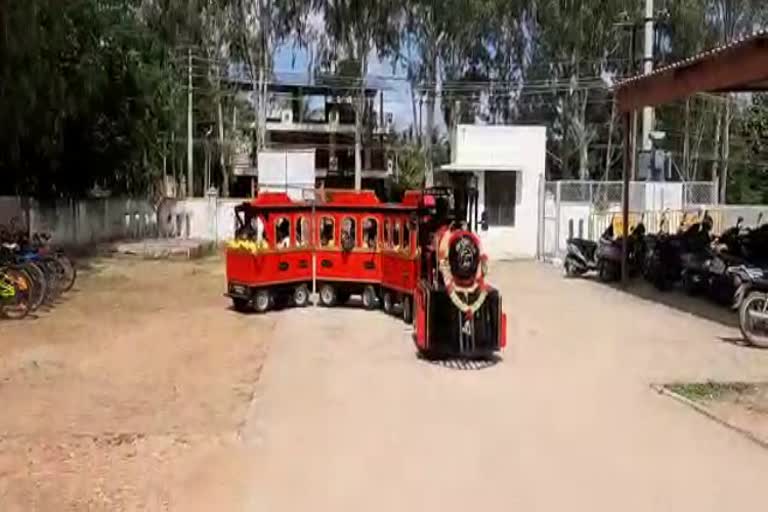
column 356, row 30
column 578, row 42
column 450, row 37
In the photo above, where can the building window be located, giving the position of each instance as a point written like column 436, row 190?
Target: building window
column 500, row 197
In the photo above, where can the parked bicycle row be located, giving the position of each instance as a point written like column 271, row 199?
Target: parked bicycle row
column 731, row 269
column 32, row 274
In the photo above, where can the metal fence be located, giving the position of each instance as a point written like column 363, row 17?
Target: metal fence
column 585, row 208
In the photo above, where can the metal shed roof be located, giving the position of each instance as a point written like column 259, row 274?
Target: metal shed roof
column 739, row 66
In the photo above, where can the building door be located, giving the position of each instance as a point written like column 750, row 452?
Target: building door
column 463, row 196
column 500, row 197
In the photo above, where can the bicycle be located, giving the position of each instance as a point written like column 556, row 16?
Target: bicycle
column 35, row 250
column 15, row 287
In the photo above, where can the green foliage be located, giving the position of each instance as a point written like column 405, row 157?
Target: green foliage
column 91, row 90
column 411, row 163
column 748, row 179
column 84, row 97
column 711, row 390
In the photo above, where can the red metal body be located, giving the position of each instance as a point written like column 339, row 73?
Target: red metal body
column 383, row 252
column 349, row 243
column 273, row 265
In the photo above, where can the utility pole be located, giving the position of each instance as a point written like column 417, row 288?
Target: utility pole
column 190, row 156
column 648, row 112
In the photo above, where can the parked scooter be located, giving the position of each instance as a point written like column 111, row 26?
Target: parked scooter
column 580, row 258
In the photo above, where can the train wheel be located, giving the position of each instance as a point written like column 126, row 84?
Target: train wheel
column 262, row 301
column 301, row 296
column 370, row 299
column 387, row 303
column 327, row 295
column 407, row 309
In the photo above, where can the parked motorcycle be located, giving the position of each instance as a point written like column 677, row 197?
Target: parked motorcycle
column 727, row 252
column 609, row 251
column 751, row 301
column 736, row 247
column 696, row 256
column 662, row 257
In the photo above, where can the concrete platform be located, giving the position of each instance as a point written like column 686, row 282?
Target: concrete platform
column 164, row 248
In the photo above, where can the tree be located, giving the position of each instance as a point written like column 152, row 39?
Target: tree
column 83, row 95
column 355, row 29
column 578, row 41
column 730, row 19
column 449, row 39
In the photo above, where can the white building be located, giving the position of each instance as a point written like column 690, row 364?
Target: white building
column 507, row 165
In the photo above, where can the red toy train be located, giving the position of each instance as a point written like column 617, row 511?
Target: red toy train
column 413, row 257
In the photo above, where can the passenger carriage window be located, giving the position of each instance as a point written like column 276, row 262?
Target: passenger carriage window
column 370, row 233
column 282, row 233
column 302, row 232
column 252, row 229
column 396, row 235
column 327, row 235
column 406, row 236
column 386, row 233
column 348, row 232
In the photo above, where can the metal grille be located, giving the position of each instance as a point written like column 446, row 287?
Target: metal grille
column 585, row 208
column 704, row 194
column 589, row 191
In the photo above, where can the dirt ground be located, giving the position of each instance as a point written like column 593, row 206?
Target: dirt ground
column 143, row 391
column 117, row 397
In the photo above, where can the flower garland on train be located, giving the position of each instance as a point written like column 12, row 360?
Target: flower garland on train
column 251, row 246
column 465, row 244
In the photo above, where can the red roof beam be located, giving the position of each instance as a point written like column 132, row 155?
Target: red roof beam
column 742, row 66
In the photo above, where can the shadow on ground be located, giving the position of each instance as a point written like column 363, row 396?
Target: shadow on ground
column 462, row 364
column 699, row 306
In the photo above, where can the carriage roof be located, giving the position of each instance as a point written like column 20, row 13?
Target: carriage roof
column 330, row 199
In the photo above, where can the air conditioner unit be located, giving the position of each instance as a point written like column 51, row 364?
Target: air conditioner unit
column 333, row 117
column 333, row 164
column 390, row 166
column 286, row 116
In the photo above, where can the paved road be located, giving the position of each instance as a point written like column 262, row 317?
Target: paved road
column 346, row 417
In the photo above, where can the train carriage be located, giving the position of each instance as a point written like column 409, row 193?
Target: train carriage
column 414, row 258
column 270, row 259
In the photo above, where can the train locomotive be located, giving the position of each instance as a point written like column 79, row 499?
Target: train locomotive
column 457, row 312
column 416, row 259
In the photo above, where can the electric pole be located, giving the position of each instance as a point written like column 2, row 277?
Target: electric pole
column 190, row 147
column 648, row 112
